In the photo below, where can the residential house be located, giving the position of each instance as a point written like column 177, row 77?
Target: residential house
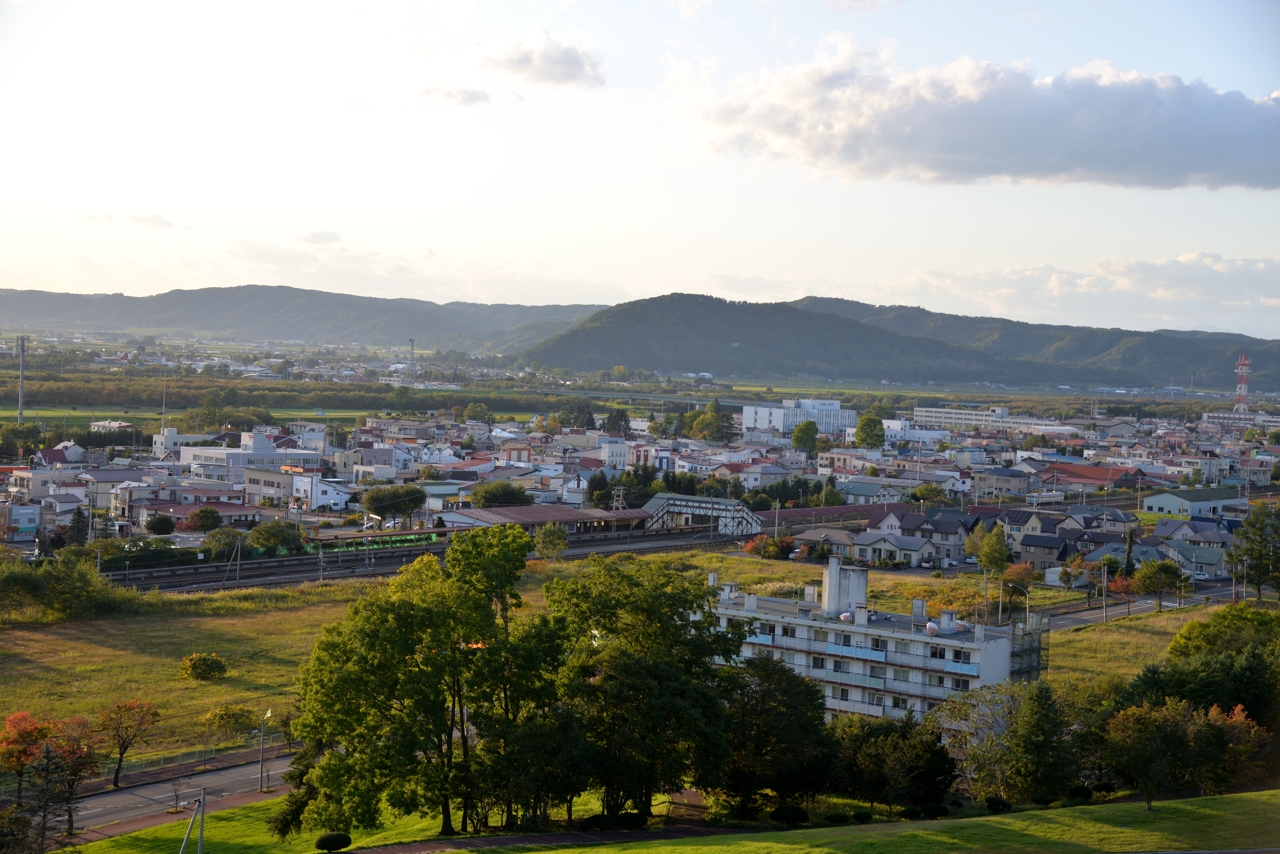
column 1196, row 502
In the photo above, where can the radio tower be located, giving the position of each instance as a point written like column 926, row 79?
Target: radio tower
column 1242, row 384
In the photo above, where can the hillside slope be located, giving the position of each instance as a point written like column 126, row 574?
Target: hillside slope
column 691, row 333
column 281, row 313
column 1165, row 357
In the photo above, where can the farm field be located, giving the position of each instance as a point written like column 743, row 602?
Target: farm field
column 1227, row 822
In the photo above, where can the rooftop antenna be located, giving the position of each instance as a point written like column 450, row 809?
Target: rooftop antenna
column 1242, row 384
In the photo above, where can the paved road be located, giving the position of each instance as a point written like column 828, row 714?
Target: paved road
column 152, row 798
column 1140, row 606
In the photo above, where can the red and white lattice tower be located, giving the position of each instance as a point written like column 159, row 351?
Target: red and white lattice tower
column 1242, row 384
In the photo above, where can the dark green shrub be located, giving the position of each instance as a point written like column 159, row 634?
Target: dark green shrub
column 935, row 810
column 997, row 805
column 836, row 818
column 862, row 816
column 912, row 813
column 203, row 666
column 334, row 840
column 594, row 823
column 630, row 821
column 1079, row 793
column 957, row 804
column 325, row 525
column 1104, row 788
column 790, row 815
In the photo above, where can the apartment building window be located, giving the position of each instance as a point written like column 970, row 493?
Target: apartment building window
column 901, row 674
column 789, row 657
column 877, row 671
column 840, row 694
column 938, row 652
column 817, row 662
column 875, row 699
column 788, row 631
column 962, row 655
column 958, row 684
column 843, row 639
column 931, row 705
column 819, row 635
column 902, row 647
column 766, row 629
column 937, row 680
column 880, row 644
column 901, row 703
column 839, row 665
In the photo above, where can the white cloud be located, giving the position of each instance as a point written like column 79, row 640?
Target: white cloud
column 551, row 63
column 320, row 237
column 689, row 9
column 152, row 220
column 972, row 121
column 442, row 97
column 860, row 5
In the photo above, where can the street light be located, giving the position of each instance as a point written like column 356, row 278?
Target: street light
column 1028, row 595
column 262, row 749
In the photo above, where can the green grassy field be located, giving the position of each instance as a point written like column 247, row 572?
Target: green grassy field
column 81, row 667
column 243, row 831
column 1231, row 821
column 1121, row 647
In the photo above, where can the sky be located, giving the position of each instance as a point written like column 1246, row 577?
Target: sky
column 1094, row 162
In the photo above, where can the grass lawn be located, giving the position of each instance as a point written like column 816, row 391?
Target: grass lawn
column 1122, row 646
column 243, row 830
column 81, row 667
column 1231, row 821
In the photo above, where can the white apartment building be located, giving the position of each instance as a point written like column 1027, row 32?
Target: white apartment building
column 991, row 418
column 257, row 450
column 784, row 418
column 876, row 663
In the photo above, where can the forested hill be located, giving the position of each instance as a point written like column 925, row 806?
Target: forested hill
column 1165, row 357
column 691, row 333
column 260, row 312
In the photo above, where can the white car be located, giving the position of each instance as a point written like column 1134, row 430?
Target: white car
column 1200, row 576
column 971, row 560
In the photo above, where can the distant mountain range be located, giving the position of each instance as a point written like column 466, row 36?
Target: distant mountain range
column 815, row 336
column 269, row 313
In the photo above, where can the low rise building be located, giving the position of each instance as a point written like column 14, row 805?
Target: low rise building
column 885, row 665
column 1196, row 502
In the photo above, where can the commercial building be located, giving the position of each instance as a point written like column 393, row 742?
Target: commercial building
column 1196, row 502
column 876, row 663
column 784, row 418
column 257, row 450
column 990, row 418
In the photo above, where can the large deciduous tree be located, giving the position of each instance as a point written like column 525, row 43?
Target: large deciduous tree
column 124, row 725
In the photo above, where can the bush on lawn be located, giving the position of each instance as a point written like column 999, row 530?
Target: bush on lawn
column 630, row 821
column 997, row 805
column 1104, row 788
column 1080, row 793
column 912, row 813
column 836, row 818
column 595, row 822
column 790, row 815
column 862, row 816
column 203, row 666
column 334, row 840
column 935, row 810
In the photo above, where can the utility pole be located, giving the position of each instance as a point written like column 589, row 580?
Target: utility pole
column 413, row 367
column 22, row 371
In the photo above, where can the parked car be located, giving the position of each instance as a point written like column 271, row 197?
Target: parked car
column 795, row 555
column 1201, row 576
column 971, row 560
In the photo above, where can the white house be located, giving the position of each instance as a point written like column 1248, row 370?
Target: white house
column 1196, row 502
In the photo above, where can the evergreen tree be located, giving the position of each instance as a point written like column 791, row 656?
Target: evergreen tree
column 1043, row 762
column 78, row 528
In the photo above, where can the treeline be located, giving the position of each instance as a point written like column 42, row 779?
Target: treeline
column 466, row 708
column 115, row 392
